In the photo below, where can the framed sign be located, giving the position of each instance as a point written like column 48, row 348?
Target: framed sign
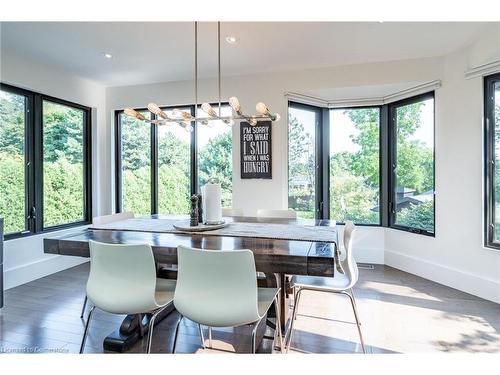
column 256, row 150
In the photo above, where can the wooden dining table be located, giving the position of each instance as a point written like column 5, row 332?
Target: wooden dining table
column 275, row 258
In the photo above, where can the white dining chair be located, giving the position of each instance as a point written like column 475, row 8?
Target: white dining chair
column 230, row 212
column 277, row 214
column 122, row 280
column 106, row 219
column 341, row 283
column 218, row 288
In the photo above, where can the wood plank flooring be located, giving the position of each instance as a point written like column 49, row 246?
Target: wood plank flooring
column 400, row 313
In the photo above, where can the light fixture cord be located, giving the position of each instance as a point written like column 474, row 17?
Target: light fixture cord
column 195, row 69
column 218, row 59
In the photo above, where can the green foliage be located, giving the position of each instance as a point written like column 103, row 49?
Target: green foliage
column 215, row 161
column 136, row 140
column 12, row 191
column 62, row 192
column 173, row 190
column 62, row 133
column 352, row 198
column 417, row 216
column 301, row 161
column 11, row 123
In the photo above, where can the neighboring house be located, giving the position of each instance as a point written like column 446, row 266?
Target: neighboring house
column 405, row 197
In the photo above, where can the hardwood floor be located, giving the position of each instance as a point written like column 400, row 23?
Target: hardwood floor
column 400, row 313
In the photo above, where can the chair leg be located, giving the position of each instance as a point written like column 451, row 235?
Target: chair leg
column 86, row 331
column 176, row 334
column 150, row 330
column 278, row 323
column 84, row 306
column 210, row 337
column 294, row 295
column 288, row 340
column 358, row 324
column 254, row 333
column 201, row 336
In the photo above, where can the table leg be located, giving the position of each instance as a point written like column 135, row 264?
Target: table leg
column 279, row 280
column 132, row 329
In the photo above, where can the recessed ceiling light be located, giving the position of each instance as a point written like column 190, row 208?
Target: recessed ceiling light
column 231, row 39
column 107, row 55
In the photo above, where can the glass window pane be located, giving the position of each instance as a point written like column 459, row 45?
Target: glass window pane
column 354, row 165
column 496, row 116
column 136, row 164
column 302, row 161
column 215, row 146
column 174, row 168
column 63, row 175
column 414, row 185
column 12, row 162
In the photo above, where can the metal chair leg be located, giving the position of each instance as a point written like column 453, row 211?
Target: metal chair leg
column 254, row 333
column 84, row 306
column 210, row 337
column 354, row 300
column 358, row 324
column 201, row 336
column 86, row 331
column 150, row 330
column 176, row 334
column 294, row 294
column 288, row 340
column 278, row 323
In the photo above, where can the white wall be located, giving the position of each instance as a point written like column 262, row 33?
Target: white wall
column 24, row 259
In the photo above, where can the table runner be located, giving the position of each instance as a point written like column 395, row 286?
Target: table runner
column 294, row 232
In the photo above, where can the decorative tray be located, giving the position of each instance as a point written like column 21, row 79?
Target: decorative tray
column 185, row 227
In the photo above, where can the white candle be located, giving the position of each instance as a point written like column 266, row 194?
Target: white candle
column 212, row 205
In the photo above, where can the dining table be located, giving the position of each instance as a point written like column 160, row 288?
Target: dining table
column 281, row 247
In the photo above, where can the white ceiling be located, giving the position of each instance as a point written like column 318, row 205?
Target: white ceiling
column 164, row 51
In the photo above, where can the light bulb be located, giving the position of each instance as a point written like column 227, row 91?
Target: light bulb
column 130, row 112
column 153, row 108
column 133, row 113
column 208, row 109
column 262, row 108
column 235, row 104
column 252, row 121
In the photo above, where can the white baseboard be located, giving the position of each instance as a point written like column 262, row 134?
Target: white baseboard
column 41, row 268
column 454, row 278
column 369, row 255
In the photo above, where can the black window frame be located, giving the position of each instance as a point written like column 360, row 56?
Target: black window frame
column 489, row 160
column 322, row 140
column 34, row 162
column 387, row 157
column 392, row 162
column 154, row 154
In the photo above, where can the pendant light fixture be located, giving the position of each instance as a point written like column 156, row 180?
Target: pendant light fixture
column 184, row 119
